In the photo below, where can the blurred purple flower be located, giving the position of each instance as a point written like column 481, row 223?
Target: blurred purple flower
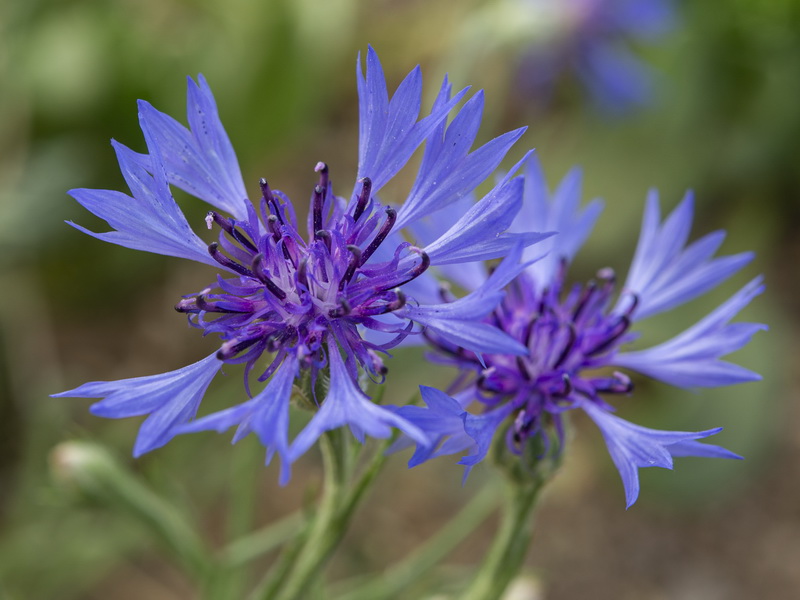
column 291, row 307
column 593, row 39
column 575, row 338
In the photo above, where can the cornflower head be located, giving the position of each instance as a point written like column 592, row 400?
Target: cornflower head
column 576, row 337
column 593, row 39
column 299, row 310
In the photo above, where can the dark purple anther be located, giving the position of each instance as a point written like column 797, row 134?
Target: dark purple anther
column 203, row 305
column 417, row 270
column 319, row 201
column 290, row 250
column 619, row 328
column 567, row 381
column 302, row 272
column 232, row 347
column 229, row 227
column 391, row 217
column 586, row 295
column 352, row 265
column 399, row 301
column 567, row 347
column 343, row 309
column 263, row 277
column 213, row 250
column 523, row 368
column 634, row 303
column 363, row 198
column 187, row 305
column 274, row 227
column 325, row 237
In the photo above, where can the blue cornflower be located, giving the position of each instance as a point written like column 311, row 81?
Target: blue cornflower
column 576, row 336
column 593, row 38
column 301, row 310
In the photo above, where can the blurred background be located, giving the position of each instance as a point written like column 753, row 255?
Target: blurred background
column 687, row 95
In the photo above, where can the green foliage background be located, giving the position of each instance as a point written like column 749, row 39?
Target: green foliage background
column 725, row 122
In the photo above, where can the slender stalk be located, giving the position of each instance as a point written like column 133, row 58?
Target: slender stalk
column 511, row 543
column 337, row 507
column 296, row 575
column 398, row 578
column 247, row 548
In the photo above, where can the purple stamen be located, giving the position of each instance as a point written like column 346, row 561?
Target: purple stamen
column 213, row 250
column 363, row 198
column 573, row 334
column 355, row 261
column 263, row 277
column 391, row 217
column 274, row 227
column 319, row 200
column 619, row 328
column 233, row 347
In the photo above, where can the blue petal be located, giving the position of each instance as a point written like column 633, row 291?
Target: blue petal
column 200, row 161
column 346, row 404
column 664, row 273
column 449, row 171
column 482, row 428
column 389, row 132
column 560, row 212
column 170, row 399
column 468, row 275
column 460, row 321
column 633, row 447
column 479, row 233
column 477, row 337
column 267, row 414
column 150, row 220
column 443, row 419
column 692, row 358
column 451, row 428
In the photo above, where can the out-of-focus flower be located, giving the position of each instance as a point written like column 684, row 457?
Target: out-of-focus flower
column 593, row 39
column 575, row 336
column 558, row 41
column 300, row 310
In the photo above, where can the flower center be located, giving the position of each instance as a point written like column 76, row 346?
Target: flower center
column 566, row 338
column 290, row 294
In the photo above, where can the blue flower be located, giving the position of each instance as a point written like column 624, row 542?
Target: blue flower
column 593, row 39
column 321, row 308
column 575, row 337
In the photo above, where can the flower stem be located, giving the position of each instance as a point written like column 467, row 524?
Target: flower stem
column 296, row 575
column 511, row 543
column 401, row 576
column 254, row 545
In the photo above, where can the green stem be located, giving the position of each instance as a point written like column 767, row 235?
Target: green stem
column 511, row 543
column 404, row 574
column 247, row 548
column 336, row 510
column 328, row 526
